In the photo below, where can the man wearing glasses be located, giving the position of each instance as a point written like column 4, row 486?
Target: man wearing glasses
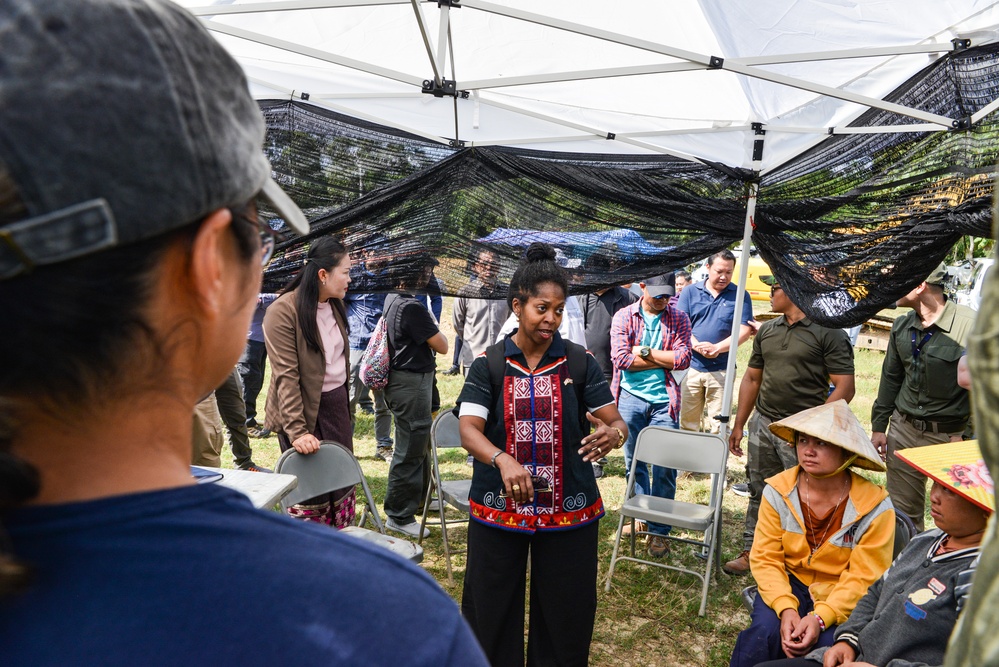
column 793, row 364
column 919, row 393
column 649, row 339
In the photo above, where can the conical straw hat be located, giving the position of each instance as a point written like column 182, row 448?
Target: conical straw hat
column 836, row 424
column 956, row 465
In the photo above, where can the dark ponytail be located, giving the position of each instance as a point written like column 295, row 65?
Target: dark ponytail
column 537, row 268
column 324, row 253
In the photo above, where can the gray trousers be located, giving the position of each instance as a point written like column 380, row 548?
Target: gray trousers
column 408, row 396
column 768, row 455
column 358, row 392
column 906, row 485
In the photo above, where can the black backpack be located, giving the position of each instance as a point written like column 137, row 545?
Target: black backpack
column 576, row 359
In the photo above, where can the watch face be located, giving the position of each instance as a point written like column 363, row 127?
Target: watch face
column 645, row 351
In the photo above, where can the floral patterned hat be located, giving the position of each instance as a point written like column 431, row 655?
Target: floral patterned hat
column 958, row 466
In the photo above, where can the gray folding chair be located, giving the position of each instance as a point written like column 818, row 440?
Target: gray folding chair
column 331, row 468
column 680, row 450
column 445, row 492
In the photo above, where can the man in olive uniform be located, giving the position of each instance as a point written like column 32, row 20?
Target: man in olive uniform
column 919, row 393
column 793, row 363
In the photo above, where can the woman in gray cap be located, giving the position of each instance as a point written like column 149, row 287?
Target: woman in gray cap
column 130, row 260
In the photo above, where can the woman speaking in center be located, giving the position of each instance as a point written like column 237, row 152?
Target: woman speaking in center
column 525, row 414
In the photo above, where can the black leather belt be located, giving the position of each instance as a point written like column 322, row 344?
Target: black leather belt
column 926, row 425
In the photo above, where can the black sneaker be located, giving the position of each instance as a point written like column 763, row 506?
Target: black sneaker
column 253, row 467
column 741, row 490
column 454, row 370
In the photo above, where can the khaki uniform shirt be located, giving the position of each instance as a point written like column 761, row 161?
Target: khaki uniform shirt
column 797, row 361
column 924, row 386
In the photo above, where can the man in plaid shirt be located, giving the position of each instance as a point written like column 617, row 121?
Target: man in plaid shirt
column 649, row 339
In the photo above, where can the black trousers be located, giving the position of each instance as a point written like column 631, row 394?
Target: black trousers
column 563, row 594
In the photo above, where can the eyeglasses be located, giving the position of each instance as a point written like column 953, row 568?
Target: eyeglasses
column 268, row 237
column 773, row 289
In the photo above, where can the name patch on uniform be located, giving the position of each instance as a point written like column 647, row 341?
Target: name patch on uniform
column 936, row 586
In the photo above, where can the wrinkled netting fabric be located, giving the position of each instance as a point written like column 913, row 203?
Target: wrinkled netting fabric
column 848, row 227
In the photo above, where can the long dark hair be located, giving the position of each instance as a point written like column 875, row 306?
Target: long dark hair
column 78, row 329
column 537, row 268
column 324, row 253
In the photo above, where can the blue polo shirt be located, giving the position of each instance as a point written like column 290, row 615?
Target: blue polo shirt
column 711, row 320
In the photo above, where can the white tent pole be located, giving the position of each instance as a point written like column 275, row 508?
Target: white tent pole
column 740, row 295
column 436, row 62
column 443, row 37
column 580, row 75
column 984, row 111
column 291, row 5
column 326, row 56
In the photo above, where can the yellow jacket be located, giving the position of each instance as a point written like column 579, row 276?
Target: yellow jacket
column 842, row 567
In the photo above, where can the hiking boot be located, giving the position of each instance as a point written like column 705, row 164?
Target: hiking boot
column 741, row 490
column 658, row 547
column 257, row 432
column 739, row 565
column 383, row 453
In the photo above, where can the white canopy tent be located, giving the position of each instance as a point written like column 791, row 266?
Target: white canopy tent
column 682, row 77
column 708, row 81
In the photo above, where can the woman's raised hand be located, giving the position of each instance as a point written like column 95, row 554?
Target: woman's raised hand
column 597, row 444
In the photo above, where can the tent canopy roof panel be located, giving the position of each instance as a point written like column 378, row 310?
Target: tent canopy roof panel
column 685, row 78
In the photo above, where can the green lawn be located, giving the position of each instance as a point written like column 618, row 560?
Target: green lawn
column 649, row 617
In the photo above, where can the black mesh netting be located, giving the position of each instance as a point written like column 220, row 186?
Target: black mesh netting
column 848, row 227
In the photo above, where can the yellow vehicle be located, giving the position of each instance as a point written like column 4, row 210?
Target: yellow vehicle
column 757, row 267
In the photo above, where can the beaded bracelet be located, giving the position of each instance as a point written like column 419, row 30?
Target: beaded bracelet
column 822, row 624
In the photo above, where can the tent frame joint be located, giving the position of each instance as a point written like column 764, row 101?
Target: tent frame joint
column 454, row 4
column 446, row 88
column 456, row 143
column 961, row 124
column 960, row 44
column 716, row 62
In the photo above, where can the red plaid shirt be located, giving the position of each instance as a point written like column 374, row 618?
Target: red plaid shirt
column 626, row 332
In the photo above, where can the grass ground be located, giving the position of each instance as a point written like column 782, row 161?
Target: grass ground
column 649, row 617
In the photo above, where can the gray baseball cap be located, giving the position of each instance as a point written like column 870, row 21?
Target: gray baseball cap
column 121, row 120
column 661, row 286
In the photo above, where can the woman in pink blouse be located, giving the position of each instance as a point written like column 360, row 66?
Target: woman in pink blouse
column 305, row 331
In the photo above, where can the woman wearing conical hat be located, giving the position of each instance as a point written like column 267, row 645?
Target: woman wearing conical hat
column 907, row 616
column 824, row 535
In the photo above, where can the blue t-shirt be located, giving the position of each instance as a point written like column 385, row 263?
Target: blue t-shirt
column 197, row 576
column 711, row 320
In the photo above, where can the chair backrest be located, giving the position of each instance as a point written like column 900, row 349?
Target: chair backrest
column 905, row 530
column 681, row 450
column 331, row 468
column 444, row 432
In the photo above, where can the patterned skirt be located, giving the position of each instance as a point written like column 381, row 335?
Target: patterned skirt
column 335, row 509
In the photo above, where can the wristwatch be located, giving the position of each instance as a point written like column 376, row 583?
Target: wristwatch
column 644, row 351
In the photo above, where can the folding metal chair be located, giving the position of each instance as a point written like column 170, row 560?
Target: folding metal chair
column 445, row 492
column 331, row 468
column 680, row 450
